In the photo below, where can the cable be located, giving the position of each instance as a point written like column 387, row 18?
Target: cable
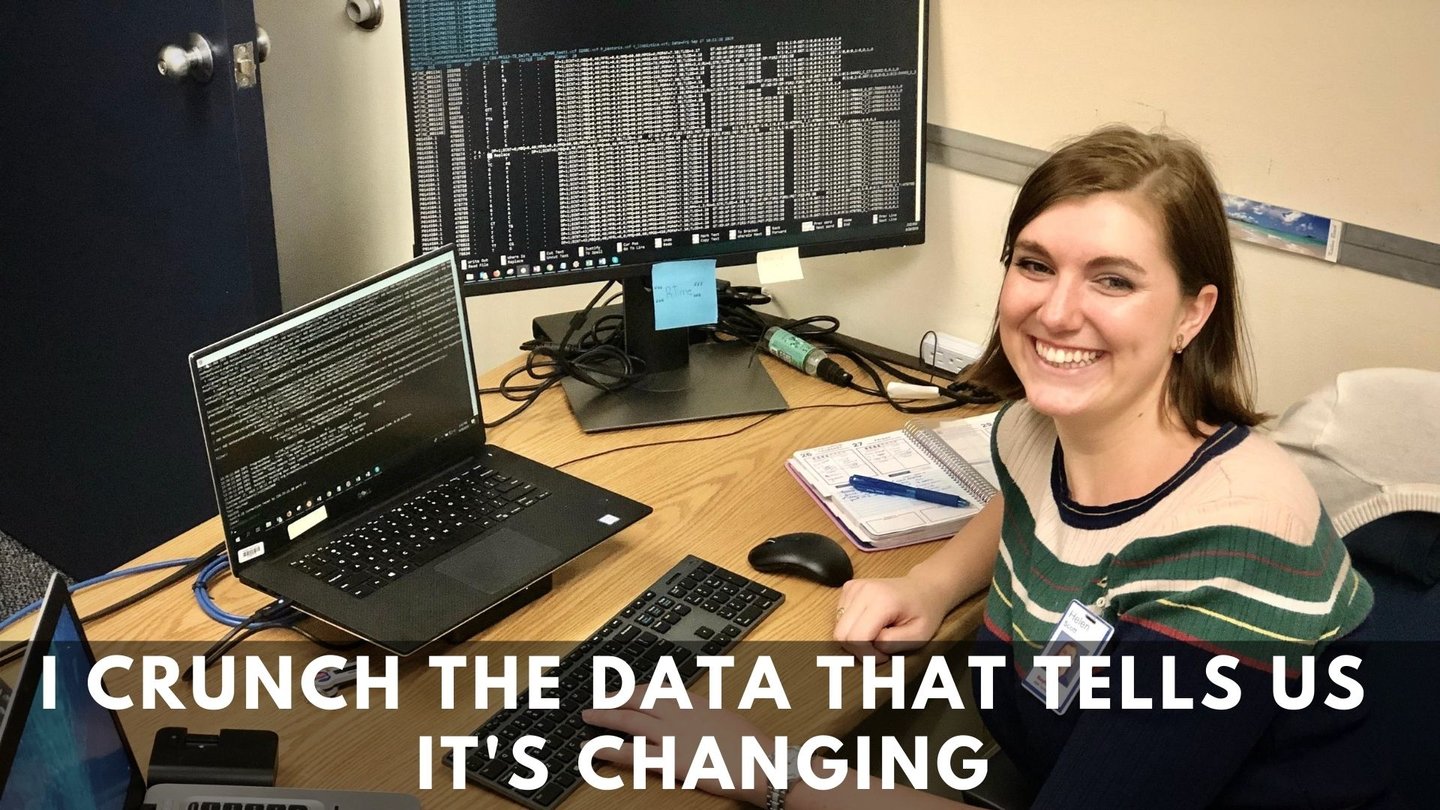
column 278, row 612
column 201, row 589
column 767, row 417
column 262, row 619
column 211, row 564
column 275, row 614
column 189, row 570
column 526, row 395
column 934, row 351
column 739, row 322
column 597, row 358
column 113, row 575
column 958, row 394
column 190, row 567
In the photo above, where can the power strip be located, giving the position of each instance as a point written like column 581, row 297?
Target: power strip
column 949, row 353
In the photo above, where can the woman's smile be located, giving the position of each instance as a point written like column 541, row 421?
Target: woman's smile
column 1063, row 357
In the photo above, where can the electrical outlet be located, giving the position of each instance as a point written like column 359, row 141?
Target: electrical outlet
column 949, row 353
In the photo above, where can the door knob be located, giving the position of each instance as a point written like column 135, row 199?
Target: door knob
column 193, row 61
column 262, row 44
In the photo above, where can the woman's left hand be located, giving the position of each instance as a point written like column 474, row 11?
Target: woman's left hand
column 688, row 727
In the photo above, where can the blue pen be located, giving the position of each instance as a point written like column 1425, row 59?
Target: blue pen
column 879, row 486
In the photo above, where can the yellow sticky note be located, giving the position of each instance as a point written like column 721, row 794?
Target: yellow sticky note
column 776, row 266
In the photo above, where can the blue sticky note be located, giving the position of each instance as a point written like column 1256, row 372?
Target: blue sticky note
column 684, row 293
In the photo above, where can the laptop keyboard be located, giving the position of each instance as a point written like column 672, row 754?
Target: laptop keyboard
column 245, row 806
column 396, row 542
column 696, row 608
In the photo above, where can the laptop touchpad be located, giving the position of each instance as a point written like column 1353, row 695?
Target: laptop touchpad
column 505, row 561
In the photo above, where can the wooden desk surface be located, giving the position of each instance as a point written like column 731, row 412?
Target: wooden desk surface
column 716, row 498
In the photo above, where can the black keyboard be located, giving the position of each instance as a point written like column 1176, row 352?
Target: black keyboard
column 696, row 608
column 375, row 554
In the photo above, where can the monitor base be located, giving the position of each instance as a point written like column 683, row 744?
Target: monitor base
column 721, row 380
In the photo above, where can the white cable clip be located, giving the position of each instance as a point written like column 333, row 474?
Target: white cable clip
column 900, row 390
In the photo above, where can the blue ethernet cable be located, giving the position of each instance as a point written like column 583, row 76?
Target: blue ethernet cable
column 139, row 569
column 281, row 616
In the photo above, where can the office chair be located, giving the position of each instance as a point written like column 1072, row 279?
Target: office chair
column 1399, row 555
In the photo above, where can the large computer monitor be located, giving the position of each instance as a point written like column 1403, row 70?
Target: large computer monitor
column 569, row 141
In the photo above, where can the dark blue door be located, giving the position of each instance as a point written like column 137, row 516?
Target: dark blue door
column 135, row 227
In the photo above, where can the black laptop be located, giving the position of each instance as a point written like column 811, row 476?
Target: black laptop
column 353, row 475
column 75, row 754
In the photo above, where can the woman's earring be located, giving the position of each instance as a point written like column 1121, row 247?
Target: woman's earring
column 1179, row 343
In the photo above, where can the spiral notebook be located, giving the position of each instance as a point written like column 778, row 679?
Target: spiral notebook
column 949, row 456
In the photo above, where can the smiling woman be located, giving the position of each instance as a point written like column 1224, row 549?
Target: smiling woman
column 1139, row 518
column 1140, row 214
column 1134, row 494
column 1091, row 311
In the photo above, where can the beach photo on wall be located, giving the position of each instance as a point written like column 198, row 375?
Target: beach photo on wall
column 1283, row 228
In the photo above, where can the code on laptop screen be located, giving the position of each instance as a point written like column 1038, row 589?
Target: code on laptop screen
column 323, row 401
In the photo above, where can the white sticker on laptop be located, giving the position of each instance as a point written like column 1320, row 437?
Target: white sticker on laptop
column 251, row 552
column 306, row 523
column 609, row 520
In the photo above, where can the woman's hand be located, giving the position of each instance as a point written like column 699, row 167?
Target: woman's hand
column 881, row 617
column 688, row 727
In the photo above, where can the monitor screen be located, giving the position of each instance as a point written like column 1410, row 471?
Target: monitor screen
column 310, row 411
column 561, row 141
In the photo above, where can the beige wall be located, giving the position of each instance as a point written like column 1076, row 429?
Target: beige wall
column 1328, row 107
column 340, row 165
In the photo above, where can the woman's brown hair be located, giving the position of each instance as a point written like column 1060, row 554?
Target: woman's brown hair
column 1210, row 381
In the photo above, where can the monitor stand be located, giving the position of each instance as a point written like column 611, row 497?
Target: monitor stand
column 685, row 383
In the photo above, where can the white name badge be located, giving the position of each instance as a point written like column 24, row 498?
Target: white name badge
column 1079, row 633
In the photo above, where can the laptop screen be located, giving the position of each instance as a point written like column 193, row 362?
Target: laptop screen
column 71, row 755
column 308, row 411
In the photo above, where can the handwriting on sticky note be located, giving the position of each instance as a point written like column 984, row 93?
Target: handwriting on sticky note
column 684, row 293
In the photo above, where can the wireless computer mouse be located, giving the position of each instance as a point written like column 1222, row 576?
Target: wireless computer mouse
column 804, row 554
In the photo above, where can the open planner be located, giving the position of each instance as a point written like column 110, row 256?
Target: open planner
column 950, row 456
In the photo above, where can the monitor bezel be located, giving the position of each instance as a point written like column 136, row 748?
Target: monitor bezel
column 642, row 269
column 57, row 599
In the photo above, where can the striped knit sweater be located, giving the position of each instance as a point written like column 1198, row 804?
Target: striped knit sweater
column 1233, row 554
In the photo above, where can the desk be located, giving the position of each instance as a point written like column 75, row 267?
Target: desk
column 715, row 498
